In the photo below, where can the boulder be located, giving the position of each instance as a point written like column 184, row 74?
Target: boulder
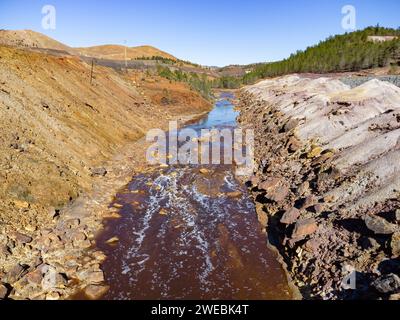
column 95, row 292
column 304, row 228
column 379, row 225
column 389, row 283
column 290, row 216
column 398, row 215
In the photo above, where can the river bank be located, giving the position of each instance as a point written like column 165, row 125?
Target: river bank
column 327, row 182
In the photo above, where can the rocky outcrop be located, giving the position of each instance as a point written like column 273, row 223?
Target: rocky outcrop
column 332, row 154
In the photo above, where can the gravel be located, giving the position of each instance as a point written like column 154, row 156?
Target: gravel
column 357, row 81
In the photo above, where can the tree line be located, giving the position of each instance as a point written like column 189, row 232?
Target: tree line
column 340, row 53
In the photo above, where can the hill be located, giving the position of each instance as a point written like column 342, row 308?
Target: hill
column 341, row 53
column 30, row 39
column 117, row 52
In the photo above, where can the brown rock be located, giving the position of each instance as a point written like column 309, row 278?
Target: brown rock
column 85, row 244
column 291, row 124
column 111, row 215
column 304, row 228
column 304, row 188
column 95, row 292
column 101, row 172
column 15, row 273
column 114, row 240
column 95, row 277
column 21, row 204
column 276, row 189
column 315, row 152
column 398, row 215
column 4, row 250
column 395, row 244
column 3, row 291
column 319, row 208
column 53, row 296
column 290, row 216
column 293, row 144
column 269, row 184
column 379, row 225
column 52, row 279
column 21, row 238
column 279, row 194
column 311, row 245
column 261, row 215
column 78, row 236
column 309, row 201
column 35, row 277
column 99, row 256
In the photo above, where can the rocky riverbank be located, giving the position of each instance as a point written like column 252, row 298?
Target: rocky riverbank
column 327, row 182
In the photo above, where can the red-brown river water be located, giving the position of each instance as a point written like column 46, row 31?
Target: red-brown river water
column 184, row 235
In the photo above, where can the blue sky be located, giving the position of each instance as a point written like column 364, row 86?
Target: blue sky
column 207, row 32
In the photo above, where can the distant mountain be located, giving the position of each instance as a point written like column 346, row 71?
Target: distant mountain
column 369, row 48
column 32, row 39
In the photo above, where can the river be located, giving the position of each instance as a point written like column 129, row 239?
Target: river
column 189, row 235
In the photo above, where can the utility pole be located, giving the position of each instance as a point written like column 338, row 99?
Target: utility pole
column 91, row 72
column 126, row 60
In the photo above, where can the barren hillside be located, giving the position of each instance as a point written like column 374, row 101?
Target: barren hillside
column 59, row 131
column 115, row 52
column 30, row 39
